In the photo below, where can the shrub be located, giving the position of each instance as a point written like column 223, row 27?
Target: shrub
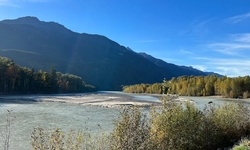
column 183, row 126
column 232, row 121
column 177, row 126
column 131, row 131
column 173, row 126
column 246, row 94
column 243, row 145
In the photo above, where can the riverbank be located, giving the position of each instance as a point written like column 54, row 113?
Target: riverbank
column 110, row 99
column 100, row 99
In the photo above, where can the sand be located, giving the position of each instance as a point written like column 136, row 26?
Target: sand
column 89, row 99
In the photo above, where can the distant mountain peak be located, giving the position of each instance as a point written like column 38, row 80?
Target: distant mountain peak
column 28, row 18
column 35, row 22
column 23, row 20
column 97, row 59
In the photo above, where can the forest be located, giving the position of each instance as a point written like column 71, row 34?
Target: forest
column 20, row 80
column 237, row 87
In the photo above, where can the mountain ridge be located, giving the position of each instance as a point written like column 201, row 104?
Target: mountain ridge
column 97, row 59
column 166, row 65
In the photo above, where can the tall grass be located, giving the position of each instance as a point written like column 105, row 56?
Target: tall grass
column 58, row 140
column 5, row 134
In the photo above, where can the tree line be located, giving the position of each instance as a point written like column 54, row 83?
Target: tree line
column 237, row 87
column 16, row 79
column 155, row 88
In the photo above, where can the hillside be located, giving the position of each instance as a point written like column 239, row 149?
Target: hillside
column 98, row 60
column 22, row 80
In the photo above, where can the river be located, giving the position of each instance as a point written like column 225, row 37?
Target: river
column 25, row 115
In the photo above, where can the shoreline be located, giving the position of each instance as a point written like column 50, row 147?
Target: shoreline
column 99, row 99
column 107, row 99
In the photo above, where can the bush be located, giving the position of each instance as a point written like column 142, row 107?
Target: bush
column 232, row 122
column 183, row 126
column 243, row 145
column 131, row 131
column 245, row 94
column 174, row 126
column 177, row 126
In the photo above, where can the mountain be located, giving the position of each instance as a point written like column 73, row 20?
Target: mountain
column 176, row 70
column 98, row 60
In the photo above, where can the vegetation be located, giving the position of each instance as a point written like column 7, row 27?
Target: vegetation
column 5, row 135
column 144, row 88
column 243, row 145
column 174, row 126
column 15, row 79
column 131, row 131
column 238, row 87
column 98, row 60
column 57, row 140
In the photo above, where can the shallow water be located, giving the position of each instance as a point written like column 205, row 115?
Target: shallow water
column 26, row 116
column 52, row 115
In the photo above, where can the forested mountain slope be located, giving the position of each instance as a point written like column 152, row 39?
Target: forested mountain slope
column 96, row 59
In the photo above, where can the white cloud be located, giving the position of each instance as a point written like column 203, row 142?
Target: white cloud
column 172, row 60
column 245, row 37
column 233, row 71
column 239, row 18
column 185, row 52
column 224, row 66
column 197, row 27
column 200, row 67
column 230, row 48
column 237, row 44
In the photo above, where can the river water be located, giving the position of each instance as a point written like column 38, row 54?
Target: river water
column 27, row 115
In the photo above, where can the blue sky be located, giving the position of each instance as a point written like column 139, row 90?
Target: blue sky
column 211, row 35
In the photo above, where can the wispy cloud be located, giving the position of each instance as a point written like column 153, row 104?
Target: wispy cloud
column 233, row 49
column 200, row 67
column 239, row 18
column 233, row 60
column 234, row 46
column 185, row 52
column 172, row 60
column 225, row 61
column 242, row 37
column 224, row 66
column 197, row 27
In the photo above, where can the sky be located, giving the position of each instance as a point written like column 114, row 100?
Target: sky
column 210, row 35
